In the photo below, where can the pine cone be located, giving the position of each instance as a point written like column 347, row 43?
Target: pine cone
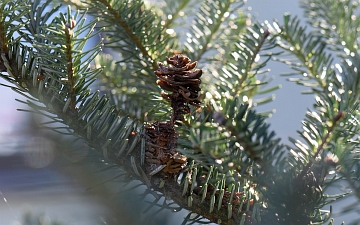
column 160, row 151
column 184, row 83
column 179, row 78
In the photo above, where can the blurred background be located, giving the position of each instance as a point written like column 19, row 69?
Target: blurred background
column 44, row 176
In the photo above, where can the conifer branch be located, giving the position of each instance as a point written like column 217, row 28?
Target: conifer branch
column 214, row 29
column 206, row 29
column 176, row 13
column 251, row 62
column 337, row 21
column 220, row 162
column 68, row 28
column 324, row 141
column 118, row 19
column 311, row 56
column 3, row 38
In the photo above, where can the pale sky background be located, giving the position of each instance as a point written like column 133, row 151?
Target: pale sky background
column 290, row 104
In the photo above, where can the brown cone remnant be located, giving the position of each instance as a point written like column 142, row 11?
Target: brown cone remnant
column 161, row 154
column 179, row 78
column 184, row 83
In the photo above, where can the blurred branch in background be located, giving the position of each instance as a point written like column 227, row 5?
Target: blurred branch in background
column 59, row 180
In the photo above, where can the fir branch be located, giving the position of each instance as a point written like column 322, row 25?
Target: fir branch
column 136, row 30
column 9, row 11
column 208, row 26
column 308, row 48
column 118, row 19
column 334, row 102
column 335, row 20
column 93, row 119
column 3, row 38
column 175, row 13
column 35, row 19
column 235, row 165
column 139, row 33
column 324, row 141
column 250, row 137
column 251, row 60
column 213, row 26
column 69, row 57
column 125, row 90
column 241, row 74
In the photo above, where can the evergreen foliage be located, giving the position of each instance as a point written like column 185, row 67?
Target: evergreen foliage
column 237, row 171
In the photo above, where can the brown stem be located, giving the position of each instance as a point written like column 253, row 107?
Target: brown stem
column 322, row 146
column 3, row 42
column 256, row 51
column 70, row 66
